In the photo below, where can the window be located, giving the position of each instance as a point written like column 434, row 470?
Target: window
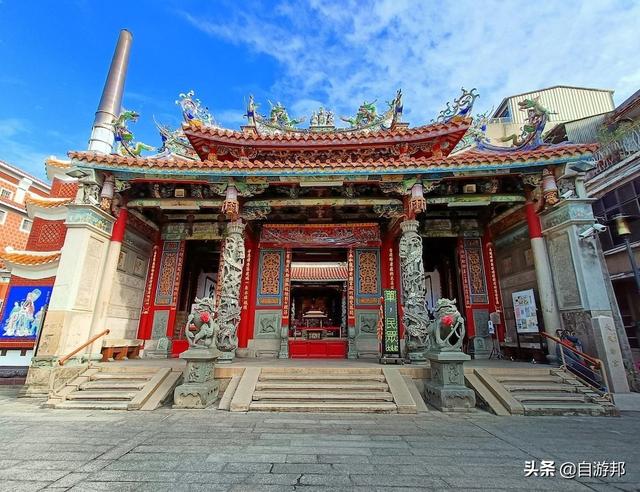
column 4, row 193
column 25, row 225
column 3, row 216
column 623, row 200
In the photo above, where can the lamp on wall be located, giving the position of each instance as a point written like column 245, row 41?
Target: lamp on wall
column 417, row 203
column 231, row 206
column 623, row 230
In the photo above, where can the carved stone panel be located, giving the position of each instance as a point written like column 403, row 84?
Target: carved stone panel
column 90, row 270
column 563, row 270
column 267, row 324
column 159, row 326
column 367, row 323
column 481, row 322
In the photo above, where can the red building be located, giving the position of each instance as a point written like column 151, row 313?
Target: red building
column 295, row 233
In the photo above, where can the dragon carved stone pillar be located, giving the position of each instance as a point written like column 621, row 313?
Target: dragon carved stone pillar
column 415, row 317
column 229, row 304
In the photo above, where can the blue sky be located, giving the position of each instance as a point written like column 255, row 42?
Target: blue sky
column 54, row 56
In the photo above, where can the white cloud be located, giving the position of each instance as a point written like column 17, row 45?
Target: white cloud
column 344, row 52
column 13, row 134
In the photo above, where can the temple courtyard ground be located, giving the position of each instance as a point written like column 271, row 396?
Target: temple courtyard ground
column 213, row 450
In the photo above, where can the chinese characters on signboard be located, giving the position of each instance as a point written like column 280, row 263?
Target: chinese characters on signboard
column 391, row 338
column 524, row 307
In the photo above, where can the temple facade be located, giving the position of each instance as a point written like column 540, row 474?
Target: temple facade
column 295, row 231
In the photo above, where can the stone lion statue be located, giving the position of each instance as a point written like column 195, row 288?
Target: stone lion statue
column 447, row 329
column 201, row 326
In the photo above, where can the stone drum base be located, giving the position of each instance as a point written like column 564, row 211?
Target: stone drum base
column 446, row 390
column 199, row 389
column 195, row 395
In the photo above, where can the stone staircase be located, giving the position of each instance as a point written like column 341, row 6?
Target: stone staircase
column 536, row 391
column 362, row 390
column 113, row 387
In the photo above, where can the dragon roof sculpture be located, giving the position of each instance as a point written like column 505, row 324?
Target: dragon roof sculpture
column 531, row 135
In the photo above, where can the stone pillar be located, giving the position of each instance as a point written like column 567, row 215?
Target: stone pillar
column 228, row 316
column 546, row 289
column 415, row 316
column 286, row 309
column 608, row 347
column 98, row 322
column 73, row 300
column 577, row 270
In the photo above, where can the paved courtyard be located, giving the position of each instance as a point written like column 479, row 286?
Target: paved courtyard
column 212, row 450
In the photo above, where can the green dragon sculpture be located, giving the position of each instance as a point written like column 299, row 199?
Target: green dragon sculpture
column 124, row 137
column 367, row 113
column 531, row 135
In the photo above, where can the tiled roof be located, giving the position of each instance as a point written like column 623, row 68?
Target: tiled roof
column 318, row 272
column 29, row 258
column 346, row 136
column 471, row 158
column 55, row 162
column 47, row 202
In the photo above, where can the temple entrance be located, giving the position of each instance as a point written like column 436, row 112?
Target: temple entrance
column 318, row 326
column 441, row 272
column 199, row 278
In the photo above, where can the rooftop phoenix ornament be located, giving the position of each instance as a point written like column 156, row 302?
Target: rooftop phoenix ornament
column 193, row 111
column 461, row 107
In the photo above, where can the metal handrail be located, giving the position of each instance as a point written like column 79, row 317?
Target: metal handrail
column 598, row 365
column 64, row 359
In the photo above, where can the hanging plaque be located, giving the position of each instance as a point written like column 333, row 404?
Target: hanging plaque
column 391, row 334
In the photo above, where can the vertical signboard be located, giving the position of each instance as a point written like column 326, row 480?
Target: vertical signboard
column 390, row 335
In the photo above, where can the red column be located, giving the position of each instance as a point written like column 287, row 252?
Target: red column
column 286, row 287
column 533, row 221
column 253, row 290
column 464, row 278
column 120, row 225
column 174, row 305
column 351, row 311
column 146, row 316
column 493, row 283
column 245, row 291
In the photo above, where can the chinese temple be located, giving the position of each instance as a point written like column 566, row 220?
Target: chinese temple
column 295, row 230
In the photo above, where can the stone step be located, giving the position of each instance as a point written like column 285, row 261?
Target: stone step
column 323, row 377
column 529, row 379
column 340, row 371
column 563, row 409
column 93, row 405
column 308, row 386
column 547, row 397
column 351, row 407
column 113, row 385
column 102, row 376
column 515, row 387
column 101, row 395
column 322, row 395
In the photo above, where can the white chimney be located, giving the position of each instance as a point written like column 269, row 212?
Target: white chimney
column 102, row 134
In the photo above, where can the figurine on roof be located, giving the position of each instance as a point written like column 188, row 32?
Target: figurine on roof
column 193, row 111
column 531, row 135
column 461, row 107
column 278, row 116
column 124, row 137
column 367, row 114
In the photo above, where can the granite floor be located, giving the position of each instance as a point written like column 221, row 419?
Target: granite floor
column 211, row 450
